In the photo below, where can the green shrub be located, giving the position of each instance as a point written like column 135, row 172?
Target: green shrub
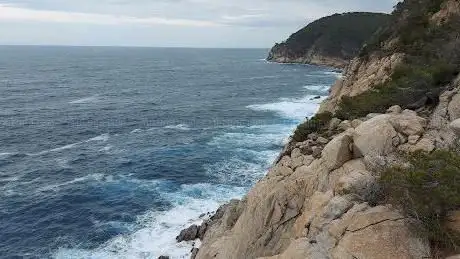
column 316, row 123
column 427, row 188
column 408, row 85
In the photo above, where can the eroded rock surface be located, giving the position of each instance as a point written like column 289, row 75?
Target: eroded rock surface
column 310, row 207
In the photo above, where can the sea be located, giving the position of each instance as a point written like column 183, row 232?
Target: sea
column 108, row 152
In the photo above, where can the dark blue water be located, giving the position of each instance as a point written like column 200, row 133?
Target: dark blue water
column 109, row 152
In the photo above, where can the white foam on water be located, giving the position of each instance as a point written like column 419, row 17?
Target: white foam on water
column 106, row 148
column 57, row 187
column 103, row 137
column 183, row 127
column 339, row 75
column 253, row 136
column 58, row 149
column 158, row 229
column 90, row 99
column 322, row 88
column 136, row 131
column 10, row 179
column 293, row 108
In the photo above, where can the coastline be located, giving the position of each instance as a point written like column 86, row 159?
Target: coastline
column 193, row 234
column 338, row 64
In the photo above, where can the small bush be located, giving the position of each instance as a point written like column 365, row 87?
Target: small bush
column 316, row 123
column 427, row 188
column 408, row 85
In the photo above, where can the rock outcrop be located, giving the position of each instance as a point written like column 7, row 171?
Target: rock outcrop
column 318, row 208
column 360, row 76
column 415, row 29
column 330, row 41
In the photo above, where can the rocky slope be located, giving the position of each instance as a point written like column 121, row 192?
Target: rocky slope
column 421, row 40
column 331, row 41
column 320, row 198
column 310, row 207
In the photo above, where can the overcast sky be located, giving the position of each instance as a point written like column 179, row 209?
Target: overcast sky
column 166, row 23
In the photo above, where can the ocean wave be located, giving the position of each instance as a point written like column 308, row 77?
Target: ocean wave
column 7, row 155
column 91, row 99
column 103, row 138
column 293, row 108
column 157, row 229
column 9, row 179
column 260, row 77
column 136, row 131
column 183, row 127
column 319, row 88
column 237, row 171
column 339, row 75
column 57, row 149
column 249, row 140
column 58, row 186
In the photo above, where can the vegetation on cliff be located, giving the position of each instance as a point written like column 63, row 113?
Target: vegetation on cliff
column 427, row 188
column 339, row 36
column 429, row 42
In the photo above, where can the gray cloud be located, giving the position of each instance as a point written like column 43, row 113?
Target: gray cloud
column 160, row 21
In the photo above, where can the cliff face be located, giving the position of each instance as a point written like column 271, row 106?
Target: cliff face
column 319, row 199
column 331, row 41
column 318, row 205
column 419, row 49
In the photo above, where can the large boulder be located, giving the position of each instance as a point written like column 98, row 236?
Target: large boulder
column 408, row 123
column 424, row 144
column 374, row 137
column 337, row 152
column 381, row 233
column 357, row 182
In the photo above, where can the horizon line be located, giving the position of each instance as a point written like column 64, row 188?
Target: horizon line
column 125, row 46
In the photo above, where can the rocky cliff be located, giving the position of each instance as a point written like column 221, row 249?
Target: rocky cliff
column 326, row 195
column 408, row 62
column 331, row 41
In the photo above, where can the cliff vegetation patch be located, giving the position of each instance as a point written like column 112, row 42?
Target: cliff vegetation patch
column 427, row 188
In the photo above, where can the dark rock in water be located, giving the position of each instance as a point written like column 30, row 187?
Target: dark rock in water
column 194, row 252
column 164, row 257
column 202, row 229
column 198, row 232
column 316, row 98
column 188, row 234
